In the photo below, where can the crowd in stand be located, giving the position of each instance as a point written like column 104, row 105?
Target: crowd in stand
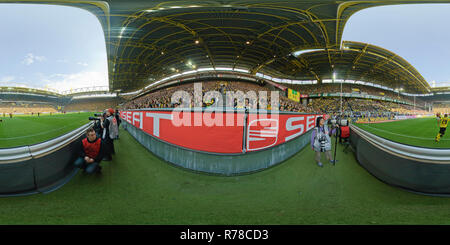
column 91, row 104
column 31, row 108
column 441, row 108
column 353, row 88
column 26, row 108
column 162, row 98
column 355, row 107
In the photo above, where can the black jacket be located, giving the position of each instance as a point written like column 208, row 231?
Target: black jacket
column 118, row 119
column 105, row 129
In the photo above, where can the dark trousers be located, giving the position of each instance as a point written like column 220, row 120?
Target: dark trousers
column 88, row 167
column 109, row 148
column 113, row 151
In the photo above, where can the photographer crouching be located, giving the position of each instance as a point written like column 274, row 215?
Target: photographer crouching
column 110, row 132
column 91, row 153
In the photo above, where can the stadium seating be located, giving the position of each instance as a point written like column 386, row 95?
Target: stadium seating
column 441, row 108
column 19, row 107
column 359, row 109
column 20, row 102
column 162, row 98
column 353, row 88
column 91, row 104
column 28, row 98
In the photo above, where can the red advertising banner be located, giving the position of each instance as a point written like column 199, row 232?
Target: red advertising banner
column 193, row 130
column 220, row 132
column 272, row 130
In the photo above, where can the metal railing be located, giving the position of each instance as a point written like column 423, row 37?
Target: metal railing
column 23, row 153
column 429, row 155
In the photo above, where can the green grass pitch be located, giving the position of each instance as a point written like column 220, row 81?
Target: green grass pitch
column 416, row 132
column 136, row 187
column 28, row 130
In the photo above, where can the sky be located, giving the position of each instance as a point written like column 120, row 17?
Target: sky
column 63, row 48
column 419, row 33
column 51, row 46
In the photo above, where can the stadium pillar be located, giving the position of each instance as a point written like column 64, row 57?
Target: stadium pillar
column 341, row 97
column 334, row 77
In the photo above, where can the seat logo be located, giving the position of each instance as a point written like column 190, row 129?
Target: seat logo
column 261, row 134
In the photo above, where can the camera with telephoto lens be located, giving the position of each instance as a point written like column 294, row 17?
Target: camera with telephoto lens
column 323, row 142
column 333, row 123
column 343, row 122
column 97, row 117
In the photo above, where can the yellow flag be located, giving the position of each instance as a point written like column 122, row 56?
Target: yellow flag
column 293, row 95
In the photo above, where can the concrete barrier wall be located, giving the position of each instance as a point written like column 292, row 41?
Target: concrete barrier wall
column 39, row 168
column 410, row 173
column 223, row 164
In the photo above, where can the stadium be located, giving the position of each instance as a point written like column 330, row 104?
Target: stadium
column 218, row 103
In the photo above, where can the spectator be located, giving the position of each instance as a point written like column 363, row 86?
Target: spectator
column 91, row 153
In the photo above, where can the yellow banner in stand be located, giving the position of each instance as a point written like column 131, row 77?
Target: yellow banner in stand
column 293, row 95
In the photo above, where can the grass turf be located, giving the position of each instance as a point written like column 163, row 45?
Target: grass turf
column 417, row 132
column 139, row 188
column 29, row 130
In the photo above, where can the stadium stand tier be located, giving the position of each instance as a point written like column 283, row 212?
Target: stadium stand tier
column 441, row 108
column 91, row 104
column 19, row 107
column 29, row 101
column 354, row 107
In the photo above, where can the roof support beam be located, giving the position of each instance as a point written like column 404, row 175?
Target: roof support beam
column 363, row 51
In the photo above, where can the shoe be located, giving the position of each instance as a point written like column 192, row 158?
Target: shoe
column 107, row 159
column 320, row 164
column 99, row 170
column 333, row 162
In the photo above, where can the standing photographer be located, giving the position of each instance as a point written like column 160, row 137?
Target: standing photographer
column 110, row 131
column 344, row 130
column 119, row 121
column 321, row 141
column 97, row 125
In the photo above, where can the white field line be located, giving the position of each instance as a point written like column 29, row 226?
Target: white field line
column 41, row 133
column 406, row 136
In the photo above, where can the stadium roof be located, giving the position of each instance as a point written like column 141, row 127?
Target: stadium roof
column 361, row 62
column 440, row 89
column 27, row 90
column 149, row 40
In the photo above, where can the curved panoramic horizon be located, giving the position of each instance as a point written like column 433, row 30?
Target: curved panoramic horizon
column 223, row 112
